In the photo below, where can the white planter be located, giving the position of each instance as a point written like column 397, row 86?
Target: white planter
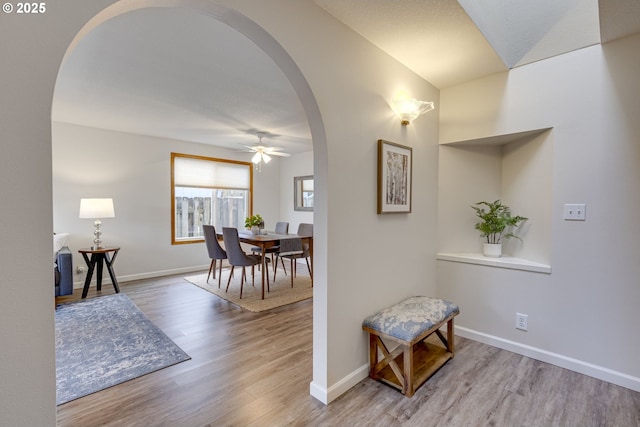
column 492, row 250
column 255, row 229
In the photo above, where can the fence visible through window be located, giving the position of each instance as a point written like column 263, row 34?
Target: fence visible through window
column 208, row 191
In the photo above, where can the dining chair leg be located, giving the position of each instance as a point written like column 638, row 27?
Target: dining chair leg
column 266, row 275
column 309, row 268
column 212, row 266
column 275, row 269
column 230, row 276
column 243, row 277
column 219, row 274
column 292, row 269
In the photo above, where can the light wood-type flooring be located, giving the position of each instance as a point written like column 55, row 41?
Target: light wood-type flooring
column 254, row 369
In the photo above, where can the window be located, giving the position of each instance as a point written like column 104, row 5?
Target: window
column 208, row 191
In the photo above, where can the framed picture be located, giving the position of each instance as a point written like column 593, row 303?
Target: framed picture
column 394, row 177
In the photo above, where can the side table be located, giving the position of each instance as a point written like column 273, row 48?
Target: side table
column 99, row 257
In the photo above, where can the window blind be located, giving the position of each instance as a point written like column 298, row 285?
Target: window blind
column 194, row 172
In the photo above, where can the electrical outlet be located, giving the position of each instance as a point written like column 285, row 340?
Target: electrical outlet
column 575, row 212
column 79, row 270
column 521, row 321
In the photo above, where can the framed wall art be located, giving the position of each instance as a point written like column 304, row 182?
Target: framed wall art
column 394, row 177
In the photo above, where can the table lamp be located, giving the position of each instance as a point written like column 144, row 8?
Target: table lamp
column 96, row 209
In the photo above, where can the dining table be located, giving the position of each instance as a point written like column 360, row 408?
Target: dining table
column 267, row 239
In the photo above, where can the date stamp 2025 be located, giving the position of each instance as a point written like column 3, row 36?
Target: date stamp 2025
column 24, row 8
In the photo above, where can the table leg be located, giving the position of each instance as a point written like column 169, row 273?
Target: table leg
column 87, row 281
column 100, row 261
column 112, row 274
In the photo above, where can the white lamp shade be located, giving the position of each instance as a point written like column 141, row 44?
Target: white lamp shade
column 96, row 208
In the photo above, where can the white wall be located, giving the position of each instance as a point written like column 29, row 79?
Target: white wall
column 583, row 315
column 27, row 77
column 347, row 113
column 297, row 165
column 135, row 171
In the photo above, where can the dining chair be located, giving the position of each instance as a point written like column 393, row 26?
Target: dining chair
column 290, row 249
column 238, row 258
column 304, row 230
column 281, row 228
column 215, row 251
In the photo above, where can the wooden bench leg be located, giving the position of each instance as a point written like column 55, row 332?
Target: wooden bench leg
column 373, row 355
column 450, row 337
column 408, row 371
column 448, row 342
column 375, row 343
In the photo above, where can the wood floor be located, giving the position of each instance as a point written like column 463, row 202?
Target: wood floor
column 254, row 369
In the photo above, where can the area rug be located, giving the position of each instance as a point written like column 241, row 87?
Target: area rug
column 104, row 341
column 281, row 293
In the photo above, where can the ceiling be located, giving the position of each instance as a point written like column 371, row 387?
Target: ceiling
column 177, row 74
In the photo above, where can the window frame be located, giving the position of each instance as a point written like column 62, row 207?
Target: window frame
column 249, row 165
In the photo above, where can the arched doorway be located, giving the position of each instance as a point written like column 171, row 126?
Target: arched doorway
column 276, row 52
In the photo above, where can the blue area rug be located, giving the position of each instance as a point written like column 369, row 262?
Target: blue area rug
column 104, row 341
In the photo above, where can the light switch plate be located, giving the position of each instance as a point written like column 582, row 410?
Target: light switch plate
column 575, row 212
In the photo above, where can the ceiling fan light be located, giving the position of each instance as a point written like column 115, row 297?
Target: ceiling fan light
column 266, row 158
column 256, row 158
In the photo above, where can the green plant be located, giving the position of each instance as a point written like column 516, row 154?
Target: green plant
column 497, row 221
column 253, row 220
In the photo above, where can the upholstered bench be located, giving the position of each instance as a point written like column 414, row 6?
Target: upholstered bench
column 407, row 324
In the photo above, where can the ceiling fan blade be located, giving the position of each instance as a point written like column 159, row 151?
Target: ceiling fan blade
column 271, row 149
column 251, row 148
column 260, row 148
column 279, row 153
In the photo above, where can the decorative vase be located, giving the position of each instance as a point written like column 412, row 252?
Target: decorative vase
column 492, row 250
column 255, row 229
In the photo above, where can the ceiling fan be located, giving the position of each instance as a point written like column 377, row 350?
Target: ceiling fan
column 264, row 152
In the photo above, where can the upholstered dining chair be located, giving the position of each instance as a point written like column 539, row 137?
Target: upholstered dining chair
column 290, row 249
column 281, row 228
column 216, row 253
column 304, row 230
column 238, row 258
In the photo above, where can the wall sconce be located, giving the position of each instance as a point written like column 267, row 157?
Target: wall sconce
column 96, row 209
column 409, row 109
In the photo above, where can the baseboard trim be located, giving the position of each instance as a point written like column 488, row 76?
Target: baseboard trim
column 140, row 276
column 326, row 396
column 319, row 392
column 576, row 365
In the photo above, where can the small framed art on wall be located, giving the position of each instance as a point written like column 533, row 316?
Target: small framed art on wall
column 394, row 177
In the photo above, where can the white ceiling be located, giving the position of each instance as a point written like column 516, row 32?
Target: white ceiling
column 178, row 74
column 174, row 73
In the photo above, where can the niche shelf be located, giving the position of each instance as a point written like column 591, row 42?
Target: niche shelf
column 502, row 262
column 498, row 139
column 516, row 168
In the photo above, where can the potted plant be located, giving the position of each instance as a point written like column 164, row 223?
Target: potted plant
column 254, row 222
column 497, row 224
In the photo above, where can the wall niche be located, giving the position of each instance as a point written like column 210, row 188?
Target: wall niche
column 515, row 168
